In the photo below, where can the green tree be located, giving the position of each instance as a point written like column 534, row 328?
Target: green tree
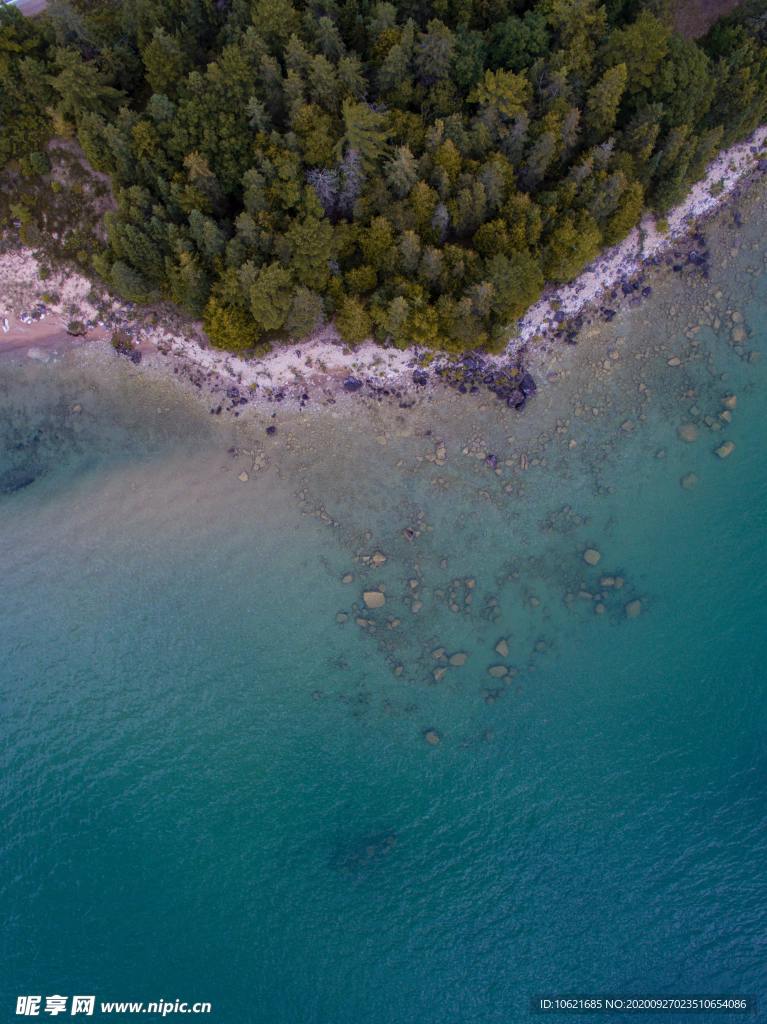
column 603, row 100
column 502, row 92
column 353, row 321
column 271, row 296
column 641, row 46
column 365, row 132
column 165, row 62
column 229, row 327
column 517, row 282
column 80, row 86
column 310, row 243
column 401, row 171
column 306, row 313
column 571, row 245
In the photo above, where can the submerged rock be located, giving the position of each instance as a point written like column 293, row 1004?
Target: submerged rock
column 16, row 480
column 633, row 609
column 725, row 450
column 432, row 737
column 502, row 648
column 459, row 659
column 592, row 557
column 688, row 432
column 689, row 481
column 373, row 599
column 363, row 853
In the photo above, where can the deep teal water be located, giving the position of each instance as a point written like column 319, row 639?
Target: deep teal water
column 213, row 790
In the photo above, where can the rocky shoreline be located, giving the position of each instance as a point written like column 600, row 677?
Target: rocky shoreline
column 45, row 314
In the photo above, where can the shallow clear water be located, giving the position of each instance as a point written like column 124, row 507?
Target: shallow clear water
column 212, row 789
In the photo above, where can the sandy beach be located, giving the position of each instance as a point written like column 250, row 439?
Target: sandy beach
column 34, row 314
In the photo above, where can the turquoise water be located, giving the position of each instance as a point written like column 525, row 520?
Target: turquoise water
column 214, row 790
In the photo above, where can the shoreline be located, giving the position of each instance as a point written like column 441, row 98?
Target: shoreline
column 320, row 367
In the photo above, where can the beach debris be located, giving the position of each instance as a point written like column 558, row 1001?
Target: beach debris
column 373, row 599
column 725, row 450
column 592, row 557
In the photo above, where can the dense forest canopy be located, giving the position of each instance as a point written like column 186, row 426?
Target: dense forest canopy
column 415, row 170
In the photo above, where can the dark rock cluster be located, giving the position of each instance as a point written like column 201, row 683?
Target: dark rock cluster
column 473, row 372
